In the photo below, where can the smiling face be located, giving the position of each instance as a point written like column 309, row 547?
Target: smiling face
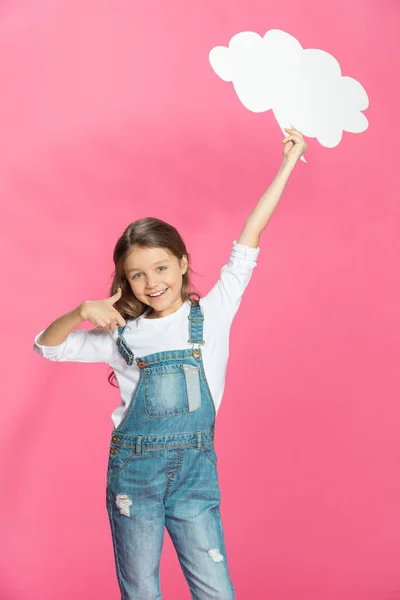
column 153, row 270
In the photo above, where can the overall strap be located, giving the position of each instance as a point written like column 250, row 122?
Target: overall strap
column 123, row 348
column 196, row 320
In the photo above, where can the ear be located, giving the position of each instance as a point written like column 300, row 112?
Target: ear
column 184, row 264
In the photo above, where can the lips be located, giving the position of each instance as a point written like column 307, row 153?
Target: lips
column 159, row 296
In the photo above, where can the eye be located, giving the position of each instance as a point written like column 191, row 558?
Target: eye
column 136, row 275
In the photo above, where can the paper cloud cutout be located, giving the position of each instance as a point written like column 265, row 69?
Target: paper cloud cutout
column 303, row 87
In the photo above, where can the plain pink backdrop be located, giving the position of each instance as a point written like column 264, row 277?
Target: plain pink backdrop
column 109, row 112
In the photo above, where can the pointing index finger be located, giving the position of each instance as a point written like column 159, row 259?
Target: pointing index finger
column 120, row 319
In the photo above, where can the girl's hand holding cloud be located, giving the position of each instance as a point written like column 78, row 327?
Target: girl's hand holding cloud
column 294, row 145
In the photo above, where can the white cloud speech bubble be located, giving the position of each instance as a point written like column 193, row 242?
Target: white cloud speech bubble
column 303, row 87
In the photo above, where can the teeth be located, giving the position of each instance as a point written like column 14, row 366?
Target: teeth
column 155, row 295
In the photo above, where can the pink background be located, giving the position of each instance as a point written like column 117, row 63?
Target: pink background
column 111, row 112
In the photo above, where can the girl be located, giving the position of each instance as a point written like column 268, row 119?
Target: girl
column 168, row 349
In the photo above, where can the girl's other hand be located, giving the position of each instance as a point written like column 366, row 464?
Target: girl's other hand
column 102, row 312
column 294, row 145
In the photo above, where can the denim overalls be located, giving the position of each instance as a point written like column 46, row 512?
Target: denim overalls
column 162, row 471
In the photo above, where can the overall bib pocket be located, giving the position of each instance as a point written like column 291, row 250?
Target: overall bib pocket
column 171, row 390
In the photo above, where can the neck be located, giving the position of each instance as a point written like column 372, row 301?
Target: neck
column 173, row 308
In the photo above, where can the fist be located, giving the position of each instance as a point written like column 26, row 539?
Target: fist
column 294, row 144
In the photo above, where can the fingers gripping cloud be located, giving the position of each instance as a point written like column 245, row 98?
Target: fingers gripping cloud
column 303, row 87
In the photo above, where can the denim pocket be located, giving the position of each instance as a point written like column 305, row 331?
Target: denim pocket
column 171, row 390
column 119, row 458
column 209, row 451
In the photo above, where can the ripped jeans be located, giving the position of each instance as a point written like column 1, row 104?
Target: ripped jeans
column 176, row 487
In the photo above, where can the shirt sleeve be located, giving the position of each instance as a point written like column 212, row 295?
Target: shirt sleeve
column 81, row 345
column 226, row 295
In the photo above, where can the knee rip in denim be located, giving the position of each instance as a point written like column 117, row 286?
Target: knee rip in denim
column 215, row 555
column 123, row 502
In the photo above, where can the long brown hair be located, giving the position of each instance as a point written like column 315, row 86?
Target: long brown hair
column 145, row 233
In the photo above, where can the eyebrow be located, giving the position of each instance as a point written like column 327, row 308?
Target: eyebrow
column 156, row 263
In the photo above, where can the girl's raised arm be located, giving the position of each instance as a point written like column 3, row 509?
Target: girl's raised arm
column 294, row 148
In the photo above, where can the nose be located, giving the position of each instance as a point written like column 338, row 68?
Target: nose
column 150, row 285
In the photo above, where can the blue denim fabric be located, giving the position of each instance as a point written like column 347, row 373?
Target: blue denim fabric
column 162, row 472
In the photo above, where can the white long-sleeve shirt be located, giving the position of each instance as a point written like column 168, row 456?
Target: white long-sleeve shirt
column 147, row 336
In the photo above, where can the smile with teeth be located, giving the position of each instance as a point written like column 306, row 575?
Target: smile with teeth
column 158, row 294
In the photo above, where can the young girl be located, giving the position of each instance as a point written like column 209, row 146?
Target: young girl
column 168, row 349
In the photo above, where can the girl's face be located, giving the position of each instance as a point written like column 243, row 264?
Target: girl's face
column 153, row 270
